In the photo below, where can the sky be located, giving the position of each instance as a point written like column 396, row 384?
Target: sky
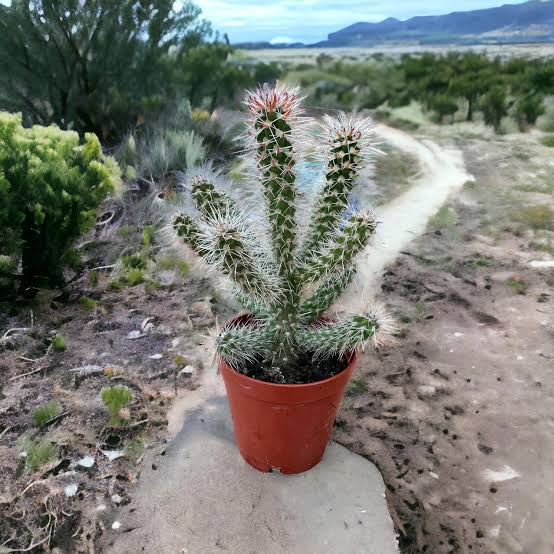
column 309, row 21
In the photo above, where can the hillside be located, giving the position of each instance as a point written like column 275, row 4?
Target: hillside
column 528, row 22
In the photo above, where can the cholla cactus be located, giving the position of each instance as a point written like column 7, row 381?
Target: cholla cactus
column 319, row 255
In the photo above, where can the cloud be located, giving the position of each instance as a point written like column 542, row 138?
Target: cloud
column 313, row 20
column 282, row 40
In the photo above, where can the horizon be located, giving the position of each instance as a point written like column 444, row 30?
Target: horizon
column 310, row 21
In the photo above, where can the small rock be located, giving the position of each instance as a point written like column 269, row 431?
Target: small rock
column 113, row 454
column 175, row 342
column 116, row 499
column 147, row 324
column 87, row 461
column 134, row 334
column 71, row 490
column 426, row 391
column 86, row 370
column 116, row 525
column 188, row 370
column 156, row 356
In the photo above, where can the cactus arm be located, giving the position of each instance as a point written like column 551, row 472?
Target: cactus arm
column 223, row 247
column 342, row 169
column 349, row 243
column 210, row 202
column 327, row 293
column 189, row 231
column 253, row 306
column 240, row 344
column 230, row 255
column 337, row 339
column 273, row 112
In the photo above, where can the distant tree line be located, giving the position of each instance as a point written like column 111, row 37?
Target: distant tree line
column 443, row 84
column 493, row 86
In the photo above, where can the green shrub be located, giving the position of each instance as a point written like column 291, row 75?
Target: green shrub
column 537, row 217
column 548, row 140
column 170, row 262
column 445, row 217
column 50, row 187
column 39, row 453
column 58, row 343
column 137, row 260
column 88, row 303
column 543, row 247
column 45, row 412
column 116, row 398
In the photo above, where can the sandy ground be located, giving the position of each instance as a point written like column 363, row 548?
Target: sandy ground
column 458, row 415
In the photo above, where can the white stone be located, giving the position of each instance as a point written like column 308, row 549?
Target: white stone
column 87, row 461
column 71, row 490
column 187, row 370
column 426, row 391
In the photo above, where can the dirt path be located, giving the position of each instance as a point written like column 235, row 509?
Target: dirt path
column 458, row 415
column 405, row 218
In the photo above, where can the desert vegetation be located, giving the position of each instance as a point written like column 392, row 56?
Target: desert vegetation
column 449, row 87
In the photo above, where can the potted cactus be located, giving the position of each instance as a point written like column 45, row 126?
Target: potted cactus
column 284, row 362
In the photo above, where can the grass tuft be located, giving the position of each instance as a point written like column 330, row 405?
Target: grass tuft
column 516, row 285
column 548, row 140
column 39, row 453
column 45, row 412
column 537, row 217
column 116, row 398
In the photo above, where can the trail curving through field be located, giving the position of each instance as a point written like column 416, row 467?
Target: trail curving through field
column 405, row 217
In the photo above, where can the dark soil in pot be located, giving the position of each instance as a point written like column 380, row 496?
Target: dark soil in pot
column 304, row 371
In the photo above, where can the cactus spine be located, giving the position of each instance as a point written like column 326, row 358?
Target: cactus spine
column 270, row 284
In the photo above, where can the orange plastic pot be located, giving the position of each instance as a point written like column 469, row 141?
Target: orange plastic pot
column 283, row 427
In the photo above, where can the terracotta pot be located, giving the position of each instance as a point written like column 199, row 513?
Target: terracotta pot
column 283, row 427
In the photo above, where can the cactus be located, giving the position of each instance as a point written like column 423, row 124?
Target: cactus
column 272, row 283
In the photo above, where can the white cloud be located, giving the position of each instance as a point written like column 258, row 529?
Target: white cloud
column 282, row 40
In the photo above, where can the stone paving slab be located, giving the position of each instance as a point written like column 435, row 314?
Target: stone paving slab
column 204, row 498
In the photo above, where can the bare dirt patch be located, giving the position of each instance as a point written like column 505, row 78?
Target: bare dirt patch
column 146, row 338
column 458, row 416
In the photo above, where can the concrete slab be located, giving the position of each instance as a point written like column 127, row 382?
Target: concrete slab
column 203, row 498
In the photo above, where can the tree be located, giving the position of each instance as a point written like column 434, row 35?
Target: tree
column 101, row 65
column 494, row 106
column 444, row 105
column 472, row 76
column 528, row 110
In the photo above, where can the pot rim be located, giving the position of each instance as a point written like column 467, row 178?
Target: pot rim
column 352, row 359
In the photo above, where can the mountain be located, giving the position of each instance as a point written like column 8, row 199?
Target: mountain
column 528, row 22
